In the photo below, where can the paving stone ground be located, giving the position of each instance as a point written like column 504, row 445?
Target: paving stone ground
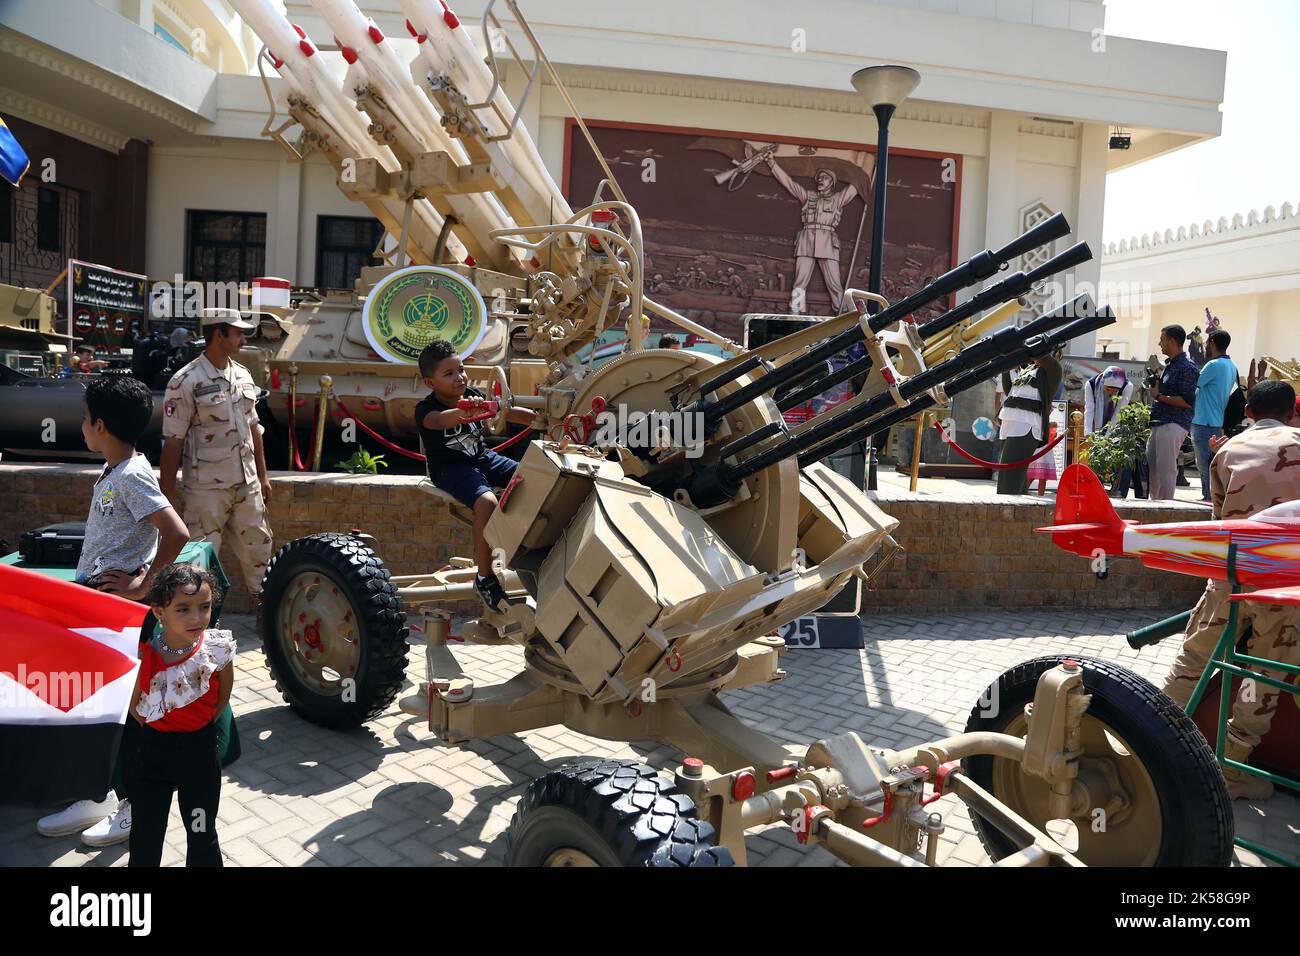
column 387, row 795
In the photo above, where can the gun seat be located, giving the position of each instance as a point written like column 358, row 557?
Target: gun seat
column 458, row 510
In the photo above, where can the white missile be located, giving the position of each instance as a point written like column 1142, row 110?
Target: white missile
column 298, row 61
column 446, row 49
column 361, row 38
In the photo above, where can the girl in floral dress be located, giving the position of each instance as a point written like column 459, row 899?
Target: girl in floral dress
column 186, row 673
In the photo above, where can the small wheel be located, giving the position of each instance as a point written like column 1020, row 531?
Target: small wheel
column 1145, row 765
column 609, row 813
column 333, row 630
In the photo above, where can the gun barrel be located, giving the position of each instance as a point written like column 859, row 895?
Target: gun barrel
column 1006, row 341
column 980, row 266
column 1033, row 347
column 1016, row 284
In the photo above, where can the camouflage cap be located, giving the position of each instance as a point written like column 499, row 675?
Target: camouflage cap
column 226, row 317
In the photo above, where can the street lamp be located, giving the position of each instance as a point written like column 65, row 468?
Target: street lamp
column 884, row 87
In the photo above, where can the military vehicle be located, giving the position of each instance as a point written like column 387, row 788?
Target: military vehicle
column 648, row 576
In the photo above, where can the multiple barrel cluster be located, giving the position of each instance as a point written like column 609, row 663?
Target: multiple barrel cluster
column 804, row 376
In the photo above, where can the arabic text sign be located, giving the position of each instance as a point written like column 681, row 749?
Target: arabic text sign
column 106, row 307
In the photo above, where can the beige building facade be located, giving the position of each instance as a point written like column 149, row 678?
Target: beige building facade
column 1023, row 93
column 1245, row 270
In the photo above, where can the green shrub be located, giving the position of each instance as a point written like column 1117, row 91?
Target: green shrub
column 1121, row 444
column 362, row 463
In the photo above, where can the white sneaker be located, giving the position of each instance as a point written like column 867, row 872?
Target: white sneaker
column 77, row 817
column 114, row 828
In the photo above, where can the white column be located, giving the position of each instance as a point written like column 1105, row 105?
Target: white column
column 1000, row 225
column 1093, row 150
column 282, row 230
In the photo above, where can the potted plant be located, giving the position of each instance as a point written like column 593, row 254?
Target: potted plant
column 1121, row 444
column 362, row 463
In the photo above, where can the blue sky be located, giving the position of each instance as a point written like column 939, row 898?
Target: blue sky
column 1253, row 163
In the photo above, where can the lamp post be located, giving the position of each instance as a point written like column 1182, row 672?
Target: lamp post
column 884, row 87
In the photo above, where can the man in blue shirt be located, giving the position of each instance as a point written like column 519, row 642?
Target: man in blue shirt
column 1218, row 377
column 1171, row 412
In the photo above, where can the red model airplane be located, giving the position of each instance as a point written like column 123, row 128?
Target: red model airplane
column 1268, row 543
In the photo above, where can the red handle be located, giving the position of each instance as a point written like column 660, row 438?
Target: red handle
column 488, row 409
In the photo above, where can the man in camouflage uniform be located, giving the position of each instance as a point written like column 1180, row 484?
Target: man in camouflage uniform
column 211, row 430
column 1252, row 471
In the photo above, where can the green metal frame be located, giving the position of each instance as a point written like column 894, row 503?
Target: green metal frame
column 1225, row 658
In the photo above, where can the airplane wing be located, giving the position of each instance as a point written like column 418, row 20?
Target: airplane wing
column 1270, row 596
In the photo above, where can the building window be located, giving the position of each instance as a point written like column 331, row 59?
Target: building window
column 343, row 245
column 226, row 246
column 47, row 221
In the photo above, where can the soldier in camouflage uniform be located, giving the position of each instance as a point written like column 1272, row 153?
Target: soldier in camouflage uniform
column 211, row 430
column 1252, row 471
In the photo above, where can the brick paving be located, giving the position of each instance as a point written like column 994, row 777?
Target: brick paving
column 384, row 795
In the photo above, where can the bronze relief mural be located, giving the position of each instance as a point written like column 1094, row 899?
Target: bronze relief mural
column 739, row 223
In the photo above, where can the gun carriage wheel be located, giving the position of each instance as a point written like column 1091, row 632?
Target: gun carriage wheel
column 609, row 813
column 333, row 630
column 1151, row 792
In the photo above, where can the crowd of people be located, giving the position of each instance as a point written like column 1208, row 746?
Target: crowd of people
column 1184, row 400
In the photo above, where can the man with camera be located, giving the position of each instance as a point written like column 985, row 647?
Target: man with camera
column 1173, row 394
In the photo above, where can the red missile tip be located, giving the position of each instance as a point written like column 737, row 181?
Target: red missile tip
column 448, row 17
column 349, row 54
column 298, row 30
column 306, row 47
column 536, row 263
column 469, row 261
column 410, row 28
column 275, row 60
column 376, row 34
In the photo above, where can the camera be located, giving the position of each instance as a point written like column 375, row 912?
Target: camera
column 1152, row 378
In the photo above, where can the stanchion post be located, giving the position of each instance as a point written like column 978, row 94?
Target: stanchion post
column 1076, row 435
column 290, row 417
column 319, row 439
column 916, row 449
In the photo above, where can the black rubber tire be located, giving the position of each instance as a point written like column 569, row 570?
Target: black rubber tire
column 618, row 812
column 1196, row 814
column 376, row 606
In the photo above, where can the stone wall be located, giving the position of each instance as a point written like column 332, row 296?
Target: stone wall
column 415, row 531
column 969, row 551
column 963, row 550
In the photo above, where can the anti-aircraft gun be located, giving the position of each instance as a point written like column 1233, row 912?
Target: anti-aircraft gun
column 648, row 575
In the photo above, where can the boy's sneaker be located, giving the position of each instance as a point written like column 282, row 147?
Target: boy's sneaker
column 77, row 817
column 491, row 592
column 114, row 828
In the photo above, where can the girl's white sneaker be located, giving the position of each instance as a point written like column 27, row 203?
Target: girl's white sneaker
column 114, row 828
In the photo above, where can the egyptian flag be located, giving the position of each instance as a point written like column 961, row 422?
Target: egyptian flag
column 13, row 161
column 68, row 663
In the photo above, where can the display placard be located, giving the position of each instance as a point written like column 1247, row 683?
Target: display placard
column 106, row 307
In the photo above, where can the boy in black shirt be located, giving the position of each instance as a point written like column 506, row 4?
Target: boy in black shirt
column 459, row 463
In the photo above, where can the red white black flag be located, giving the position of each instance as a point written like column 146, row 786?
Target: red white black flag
column 68, row 663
